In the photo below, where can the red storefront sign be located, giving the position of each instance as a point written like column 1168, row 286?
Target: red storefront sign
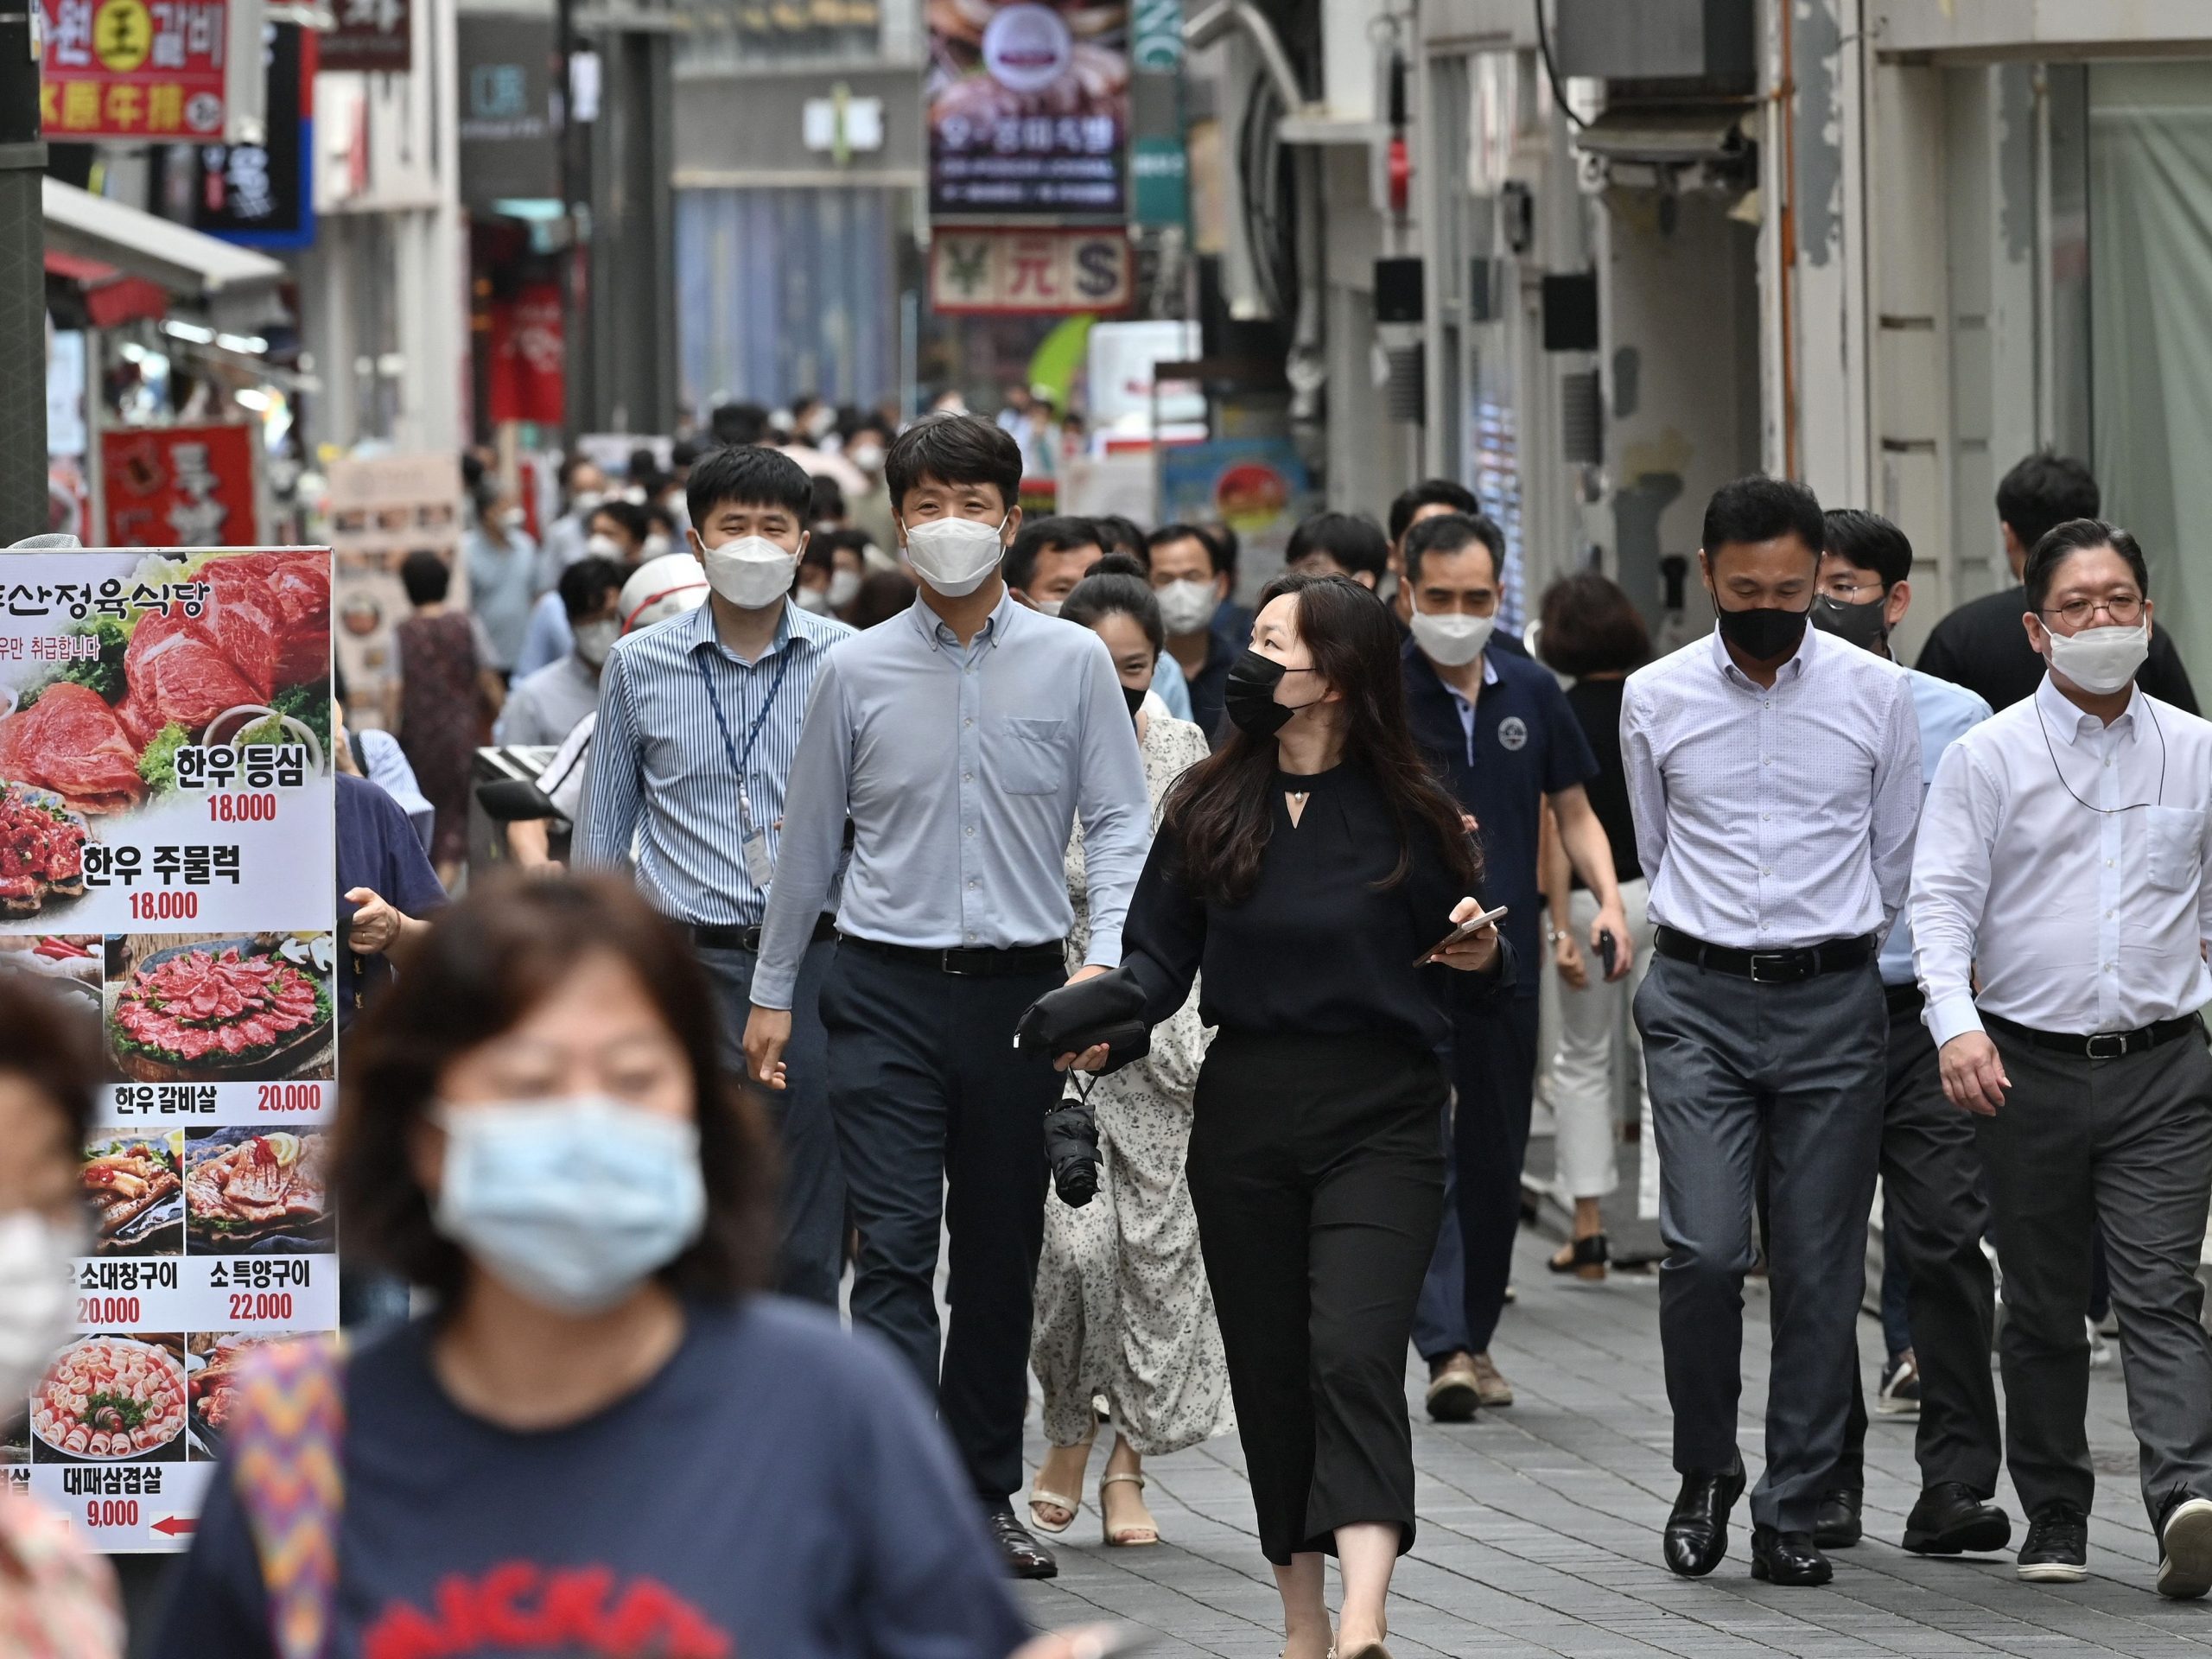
column 527, row 381
column 179, row 487
column 136, row 69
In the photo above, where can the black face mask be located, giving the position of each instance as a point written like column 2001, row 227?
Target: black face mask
column 1764, row 633
column 1249, row 696
column 1866, row 627
column 1135, row 696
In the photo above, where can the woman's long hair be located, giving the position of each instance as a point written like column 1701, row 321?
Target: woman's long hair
column 1221, row 810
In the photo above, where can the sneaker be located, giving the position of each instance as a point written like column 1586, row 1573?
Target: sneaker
column 2185, row 1549
column 1490, row 1388
column 1900, row 1391
column 2057, row 1547
column 2099, row 1350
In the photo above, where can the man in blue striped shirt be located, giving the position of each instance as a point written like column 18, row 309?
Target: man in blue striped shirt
column 699, row 717
column 963, row 739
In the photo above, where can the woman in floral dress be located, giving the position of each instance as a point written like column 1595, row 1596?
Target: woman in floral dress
column 1123, row 1313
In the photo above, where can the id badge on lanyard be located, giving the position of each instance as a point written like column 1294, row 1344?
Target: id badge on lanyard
column 759, row 862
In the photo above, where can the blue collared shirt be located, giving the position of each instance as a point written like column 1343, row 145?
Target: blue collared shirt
column 963, row 770
column 1947, row 713
column 661, row 774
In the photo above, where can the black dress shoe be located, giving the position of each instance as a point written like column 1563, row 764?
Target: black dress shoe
column 1837, row 1526
column 1025, row 1557
column 1950, row 1520
column 1697, row 1529
column 1788, row 1558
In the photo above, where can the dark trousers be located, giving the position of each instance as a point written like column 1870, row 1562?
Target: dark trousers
column 1933, row 1219
column 1440, row 1315
column 811, row 1232
column 1319, row 1182
column 2124, row 1145
column 1494, row 1073
column 940, row 1120
column 1785, row 1079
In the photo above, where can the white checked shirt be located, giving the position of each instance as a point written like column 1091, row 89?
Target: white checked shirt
column 1768, row 819
column 2079, row 918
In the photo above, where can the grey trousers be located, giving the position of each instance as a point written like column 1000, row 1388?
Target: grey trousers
column 1931, row 1184
column 2125, row 1143
column 1789, row 1077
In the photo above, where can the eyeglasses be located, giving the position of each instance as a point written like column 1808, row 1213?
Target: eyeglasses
column 2123, row 610
column 1853, row 592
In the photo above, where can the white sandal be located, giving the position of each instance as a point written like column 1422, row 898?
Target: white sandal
column 1128, row 1537
column 1055, row 1500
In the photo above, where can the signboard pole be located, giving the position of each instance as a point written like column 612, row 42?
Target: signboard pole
column 23, row 285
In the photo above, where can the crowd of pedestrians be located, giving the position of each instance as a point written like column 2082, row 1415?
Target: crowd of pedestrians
column 1817, row 920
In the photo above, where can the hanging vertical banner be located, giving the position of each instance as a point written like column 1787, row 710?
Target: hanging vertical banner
column 179, row 486
column 262, row 194
column 528, row 363
column 135, row 70
column 170, row 823
column 370, row 35
column 1028, row 109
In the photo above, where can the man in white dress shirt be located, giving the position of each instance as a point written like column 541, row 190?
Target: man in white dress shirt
column 1774, row 775
column 2063, row 860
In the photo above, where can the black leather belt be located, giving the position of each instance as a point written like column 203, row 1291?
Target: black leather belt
column 970, row 964
column 2101, row 1044
column 1905, row 1000
column 708, row 935
column 1768, row 967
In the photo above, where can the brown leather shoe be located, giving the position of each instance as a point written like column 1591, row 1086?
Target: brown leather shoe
column 1454, row 1389
column 1490, row 1388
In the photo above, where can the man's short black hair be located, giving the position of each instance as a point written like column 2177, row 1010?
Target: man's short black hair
column 426, row 576
column 628, row 514
column 1117, row 533
column 1182, row 532
column 953, row 449
column 685, row 452
column 585, row 586
column 2043, row 492
column 2061, row 542
column 1062, row 533
column 751, row 476
column 738, row 423
column 1226, row 547
column 1431, row 492
column 1759, row 509
column 829, row 499
column 1352, row 539
column 1453, row 532
column 1867, row 541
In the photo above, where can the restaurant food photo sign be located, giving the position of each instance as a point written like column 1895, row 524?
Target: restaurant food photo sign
column 1028, row 109
column 168, row 825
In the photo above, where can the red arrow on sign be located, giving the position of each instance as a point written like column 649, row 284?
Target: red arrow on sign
column 174, row 1525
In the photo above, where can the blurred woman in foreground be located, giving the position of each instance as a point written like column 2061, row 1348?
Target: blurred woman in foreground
column 603, row 1439
column 57, row 1598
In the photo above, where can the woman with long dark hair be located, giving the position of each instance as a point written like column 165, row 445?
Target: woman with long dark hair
column 1310, row 867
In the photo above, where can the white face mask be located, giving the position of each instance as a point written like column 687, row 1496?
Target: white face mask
column 512, row 518
column 601, row 545
column 1452, row 640
column 1187, row 605
column 2101, row 660
column 595, row 640
column 813, row 599
column 585, row 503
column 750, row 571
column 954, row 556
column 820, row 423
column 1046, row 607
column 656, row 547
column 868, row 456
column 844, row 588
column 38, row 1301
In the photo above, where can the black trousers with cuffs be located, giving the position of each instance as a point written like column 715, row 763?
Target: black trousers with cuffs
column 1318, row 1177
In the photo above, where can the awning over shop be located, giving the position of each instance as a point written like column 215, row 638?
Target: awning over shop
column 110, row 297
column 1665, row 135
column 237, row 286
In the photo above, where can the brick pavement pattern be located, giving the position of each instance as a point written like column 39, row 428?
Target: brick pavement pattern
column 1540, row 1528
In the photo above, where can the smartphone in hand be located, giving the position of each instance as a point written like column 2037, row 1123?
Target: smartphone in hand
column 1465, row 930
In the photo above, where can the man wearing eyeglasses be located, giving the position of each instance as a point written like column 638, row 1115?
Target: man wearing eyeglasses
column 2063, row 857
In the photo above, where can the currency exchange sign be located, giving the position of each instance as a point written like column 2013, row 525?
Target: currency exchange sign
column 134, row 69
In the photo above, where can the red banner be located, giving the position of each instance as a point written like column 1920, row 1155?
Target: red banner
column 527, row 378
column 179, row 487
column 136, row 69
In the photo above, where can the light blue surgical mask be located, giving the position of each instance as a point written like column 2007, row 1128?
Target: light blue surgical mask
column 570, row 1202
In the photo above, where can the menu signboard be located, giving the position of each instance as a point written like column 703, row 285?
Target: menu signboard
column 1028, row 109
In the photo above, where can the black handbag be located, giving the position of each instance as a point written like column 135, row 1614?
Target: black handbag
column 1105, row 1009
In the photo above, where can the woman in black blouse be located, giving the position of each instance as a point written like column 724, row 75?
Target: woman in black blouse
column 1309, row 868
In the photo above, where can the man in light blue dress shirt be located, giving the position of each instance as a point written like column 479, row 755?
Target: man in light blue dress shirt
column 962, row 740
column 699, row 716
column 1934, row 1211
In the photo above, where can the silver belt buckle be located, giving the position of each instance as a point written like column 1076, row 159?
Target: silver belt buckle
column 1779, row 958
column 2117, row 1051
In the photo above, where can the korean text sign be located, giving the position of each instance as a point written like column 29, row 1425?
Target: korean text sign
column 1028, row 109
column 179, row 485
column 135, row 69
column 169, row 817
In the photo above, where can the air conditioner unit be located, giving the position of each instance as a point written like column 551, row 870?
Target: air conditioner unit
column 1710, row 41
